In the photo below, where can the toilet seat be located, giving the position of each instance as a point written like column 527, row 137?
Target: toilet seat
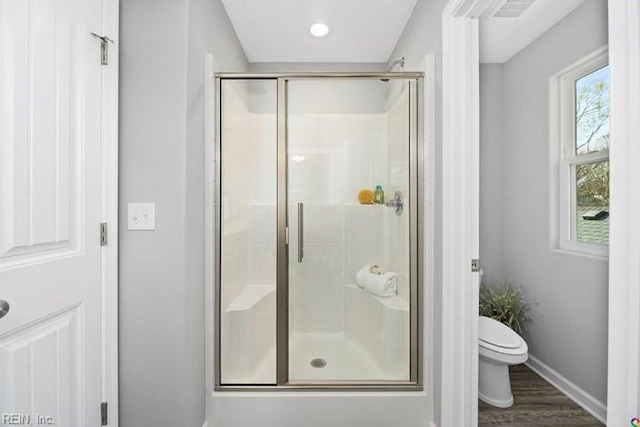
column 522, row 349
column 497, row 333
column 499, row 338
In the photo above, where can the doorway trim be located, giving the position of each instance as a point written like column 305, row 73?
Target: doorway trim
column 624, row 248
column 460, row 211
column 459, row 393
column 110, row 206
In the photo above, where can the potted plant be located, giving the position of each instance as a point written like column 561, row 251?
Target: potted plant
column 505, row 303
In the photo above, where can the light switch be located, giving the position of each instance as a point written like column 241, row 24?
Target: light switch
column 142, row 216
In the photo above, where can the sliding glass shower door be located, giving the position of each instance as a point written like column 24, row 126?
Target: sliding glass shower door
column 317, row 237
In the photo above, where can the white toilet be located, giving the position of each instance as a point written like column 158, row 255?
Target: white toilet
column 499, row 347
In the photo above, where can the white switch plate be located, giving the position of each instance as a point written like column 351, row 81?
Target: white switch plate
column 142, row 216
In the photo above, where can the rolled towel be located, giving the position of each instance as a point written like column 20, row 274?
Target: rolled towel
column 382, row 285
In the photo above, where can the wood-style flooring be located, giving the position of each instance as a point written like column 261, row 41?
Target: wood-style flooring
column 536, row 404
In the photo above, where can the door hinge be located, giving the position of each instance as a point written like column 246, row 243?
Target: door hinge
column 103, row 413
column 475, row 265
column 104, row 48
column 103, row 234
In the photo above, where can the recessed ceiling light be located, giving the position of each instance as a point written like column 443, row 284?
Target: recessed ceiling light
column 319, row 29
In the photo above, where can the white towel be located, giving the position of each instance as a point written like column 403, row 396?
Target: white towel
column 382, row 285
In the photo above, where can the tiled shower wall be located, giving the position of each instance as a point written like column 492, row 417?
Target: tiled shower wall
column 343, row 153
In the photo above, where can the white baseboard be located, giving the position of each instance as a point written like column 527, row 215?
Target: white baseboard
column 573, row 392
column 206, row 423
column 432, row 424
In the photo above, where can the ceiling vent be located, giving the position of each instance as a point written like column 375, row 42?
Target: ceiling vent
column 512, row 8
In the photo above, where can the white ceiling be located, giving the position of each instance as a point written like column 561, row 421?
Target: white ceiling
column 278, row 30
column 368, row 30
column 502, row 38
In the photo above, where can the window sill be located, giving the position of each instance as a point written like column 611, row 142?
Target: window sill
column 590, row 250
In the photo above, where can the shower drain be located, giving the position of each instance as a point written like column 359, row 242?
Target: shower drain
column 318, row 363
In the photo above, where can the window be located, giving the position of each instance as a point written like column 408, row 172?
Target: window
column 581, row 94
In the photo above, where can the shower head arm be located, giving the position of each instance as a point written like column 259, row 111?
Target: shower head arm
column 397, row 62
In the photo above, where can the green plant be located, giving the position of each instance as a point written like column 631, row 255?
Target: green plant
column 506, row 304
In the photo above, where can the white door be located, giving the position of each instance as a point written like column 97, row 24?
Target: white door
column 50, row 210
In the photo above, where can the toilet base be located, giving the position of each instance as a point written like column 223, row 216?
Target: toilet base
column 494, row 385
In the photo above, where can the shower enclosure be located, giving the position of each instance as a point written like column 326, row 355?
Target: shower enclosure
column 293, row 154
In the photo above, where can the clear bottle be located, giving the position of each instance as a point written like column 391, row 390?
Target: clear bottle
column 378, row 195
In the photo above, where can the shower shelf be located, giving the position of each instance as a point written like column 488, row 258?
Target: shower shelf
column 250, row 296
column 392, row 303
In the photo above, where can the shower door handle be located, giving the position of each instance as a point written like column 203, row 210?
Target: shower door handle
column 300, row 231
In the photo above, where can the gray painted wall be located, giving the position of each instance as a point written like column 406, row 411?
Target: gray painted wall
column 491, row 169
column 569, row 332
column 162, row 43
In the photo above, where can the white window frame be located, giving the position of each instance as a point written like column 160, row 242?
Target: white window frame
column 565, row 160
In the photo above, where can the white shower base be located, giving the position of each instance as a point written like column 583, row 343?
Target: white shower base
column 373, row 348
column 346, row 360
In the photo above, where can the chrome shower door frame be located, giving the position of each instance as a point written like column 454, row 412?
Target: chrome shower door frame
column 416, row 202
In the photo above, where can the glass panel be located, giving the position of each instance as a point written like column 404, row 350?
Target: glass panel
column 592, row 112
column 592, row 202
column 248, row 235
column 348, row 320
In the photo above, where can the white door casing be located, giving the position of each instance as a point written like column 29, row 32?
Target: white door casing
column 460, row 207
column 51, row 204
column 623, row 390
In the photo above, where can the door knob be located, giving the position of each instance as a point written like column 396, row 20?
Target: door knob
column 4, row 308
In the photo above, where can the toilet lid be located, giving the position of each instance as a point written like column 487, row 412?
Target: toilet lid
column 493, row 332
